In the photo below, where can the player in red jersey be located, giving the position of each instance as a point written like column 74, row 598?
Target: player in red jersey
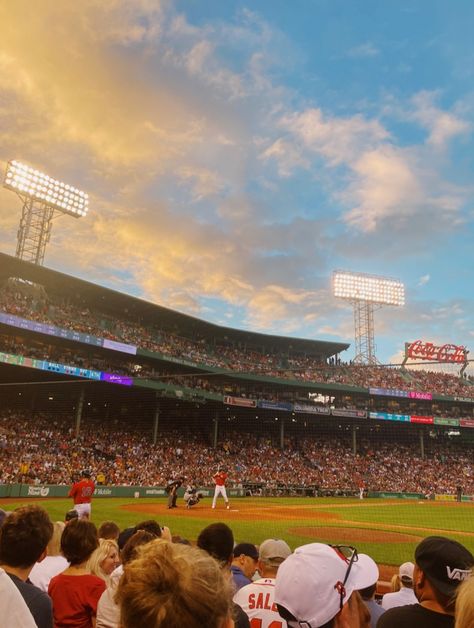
column 220, row 478
column 82, row 492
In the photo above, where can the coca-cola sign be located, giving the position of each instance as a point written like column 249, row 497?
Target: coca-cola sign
column 420, row 350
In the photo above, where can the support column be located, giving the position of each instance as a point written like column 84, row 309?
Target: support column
column 156, row 422
column 422, row 445
column 80, row 405
column 282, row 434
column 216, row 431
column 354, row 440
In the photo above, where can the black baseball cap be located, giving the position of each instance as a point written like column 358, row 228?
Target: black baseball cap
column 71, row 514
column 445, row 562
column 247, row 549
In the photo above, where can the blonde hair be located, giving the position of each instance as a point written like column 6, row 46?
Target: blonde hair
column 173, row 585
column 464, row 612
column 99, row 555
column 395, row 583
column 54, row 546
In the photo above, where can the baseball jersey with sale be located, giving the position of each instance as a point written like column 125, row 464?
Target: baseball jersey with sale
column 258, row 601
column 82, row 491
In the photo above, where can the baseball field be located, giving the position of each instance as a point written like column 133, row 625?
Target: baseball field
column 387, row 530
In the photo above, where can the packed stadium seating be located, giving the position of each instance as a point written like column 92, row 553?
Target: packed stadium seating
column 47, row 451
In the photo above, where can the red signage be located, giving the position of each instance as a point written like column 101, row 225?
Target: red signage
column 419, row 350
column 240, row 401
column 466, row 423
column 421, row 419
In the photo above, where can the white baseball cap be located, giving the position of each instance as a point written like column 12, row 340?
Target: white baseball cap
column 405, row 571
column 309, row 582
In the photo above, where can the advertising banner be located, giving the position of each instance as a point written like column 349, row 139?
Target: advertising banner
column 307, row 408
column 416, row 394
column 466, row 422
column 275, row 405
column 240, row 401
column 388, row 392
column 385, row 416
column 116, row 379
column 360, row 414
column 419, row 350
column 415, row 418
column 119, row 346
column 50, row 490
column 439, row 420
column 69, row 334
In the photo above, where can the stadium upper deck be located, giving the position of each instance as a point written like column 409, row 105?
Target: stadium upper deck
column 73, row 291
column 74, row 328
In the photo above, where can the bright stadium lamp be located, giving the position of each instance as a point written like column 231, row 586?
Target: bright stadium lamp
column 366, row 292
column 42, row 197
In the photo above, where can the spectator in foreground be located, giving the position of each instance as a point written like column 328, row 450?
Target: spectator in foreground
column 440, row 565
column 368, row 597
column 258, row 598
column 108, row 530
column 15, row 612
column 174, row 585
column 465, row 604
column 104, row 559
column 70, row 516
column 317, row 586
column 404, row 594
column 244, row 564
column 75, row 592
column 217, row 539
column 54, row 562
column 108, row 611
column 24, row 537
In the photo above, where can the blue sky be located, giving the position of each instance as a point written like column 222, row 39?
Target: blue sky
column 237, row 153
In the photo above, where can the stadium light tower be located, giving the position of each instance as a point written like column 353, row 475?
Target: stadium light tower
column 366, row 293
column 42, row 198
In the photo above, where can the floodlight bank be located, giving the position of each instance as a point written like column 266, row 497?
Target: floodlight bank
column 29, row 182
column 369, row 288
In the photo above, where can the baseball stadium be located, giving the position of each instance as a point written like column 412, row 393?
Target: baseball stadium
column 313, row 448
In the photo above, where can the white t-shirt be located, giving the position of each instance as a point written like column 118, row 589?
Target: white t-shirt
column 399, row 598
column 42, row 572
column 108, row 612
column 15, row 612
column 258, row 601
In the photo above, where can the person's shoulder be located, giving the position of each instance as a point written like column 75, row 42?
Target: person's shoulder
column 399, row 616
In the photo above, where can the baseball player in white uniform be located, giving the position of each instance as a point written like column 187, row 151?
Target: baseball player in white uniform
column 258, row 598
column 220, row 478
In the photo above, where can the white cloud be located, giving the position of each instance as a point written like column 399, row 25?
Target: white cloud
column 423, row 280
column 339, row 140
column 442, row 125
column 367, row 49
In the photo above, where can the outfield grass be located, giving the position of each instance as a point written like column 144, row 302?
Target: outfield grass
column 297, row 520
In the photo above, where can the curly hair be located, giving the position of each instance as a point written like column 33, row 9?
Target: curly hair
column 173, row 585
column 24, row 536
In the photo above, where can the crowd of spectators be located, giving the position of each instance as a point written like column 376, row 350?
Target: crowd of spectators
column 219, row 354
column 143, row 575
column 45, row 450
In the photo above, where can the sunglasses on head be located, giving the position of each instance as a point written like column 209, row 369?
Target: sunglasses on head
column 350, row 556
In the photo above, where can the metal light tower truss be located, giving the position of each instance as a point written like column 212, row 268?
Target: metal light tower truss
column 43, row 197
column 366, row 293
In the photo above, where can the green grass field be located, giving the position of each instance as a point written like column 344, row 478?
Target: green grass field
column 389, row 531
